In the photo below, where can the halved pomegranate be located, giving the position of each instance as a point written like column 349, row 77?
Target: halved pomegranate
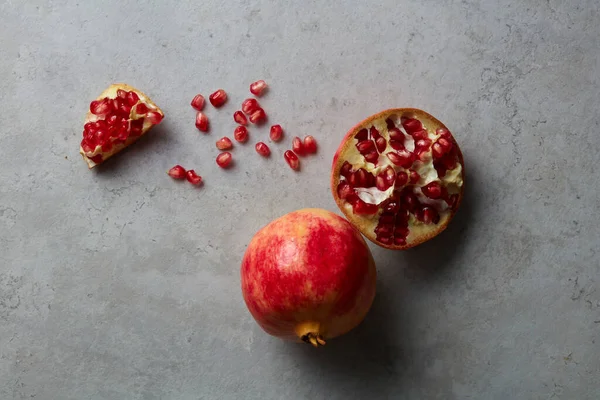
column 116, row 119
column 398, row 177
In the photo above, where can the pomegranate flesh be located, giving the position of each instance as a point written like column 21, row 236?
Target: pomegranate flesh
column 308, row 276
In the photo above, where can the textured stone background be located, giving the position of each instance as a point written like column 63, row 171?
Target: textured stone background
column 121, row 284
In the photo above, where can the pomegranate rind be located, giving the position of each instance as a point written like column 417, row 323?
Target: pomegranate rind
column 367, row 225
column 308, row 272
column 111, row 92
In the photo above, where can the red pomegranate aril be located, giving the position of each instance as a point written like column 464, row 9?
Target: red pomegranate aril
column 437, row 151
column 240, row 134
column 381, row 144
column 401, row 178
column 399, row 241
column 423, row 144
column 346, row 170
column 154, row 117
column 374, row 133
column 445, row 133
column 372, row 157
column 136, row 126
column 445, row 144
column 257, row 88
column 107, row 146
column 258, row 116
column 276, row 133
column 193, row 178
column 249, row 106
column 390, row 124
column 224, row 143
column 452, row 201
column 262, row 149
column 198, row 102
column 122, row 94
column 240, row 118
column 419, row 135
column 396, row 134
column 414, row 176
column 402, row 158
column 397, row 145
column 386, row 229
column 432, row 190
column 363, row 134
column 449, row 162
column 177, row 172
column 365, row 146
column 132, row 98
column 97, row 159
column 141, row 109
column 409, row 201
column 224, row 159
column 201, row 121
column 360, row 207
column 344, row 190
column 428, row 215
column 298, row 146
column 218, row 98
column 411, row 125
column 292, row 159
column 100, row 107
column 310, row 144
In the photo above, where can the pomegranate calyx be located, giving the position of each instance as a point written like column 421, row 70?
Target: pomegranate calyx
column 314, row 339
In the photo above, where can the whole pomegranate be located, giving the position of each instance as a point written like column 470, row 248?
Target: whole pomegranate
column 308, row 276
column 398, row 177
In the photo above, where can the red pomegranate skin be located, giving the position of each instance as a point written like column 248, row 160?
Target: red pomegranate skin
column 309, row 272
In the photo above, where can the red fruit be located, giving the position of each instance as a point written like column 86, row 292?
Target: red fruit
column 276, row 133
column 292, row 159
column 308, row 277
column 109, row 126
column 198, row 102
column 193, row 178
column 240, row 118
column 310, row 144
column 262, row 149
column 258, row 116
column 298, row 146
column 249, row 106
column 201, row 121
column 224, row 159
column 224, row 143
column 400, row 200
column 240, row 134
column 218, row 98
column 177, row 172
column 257, row 88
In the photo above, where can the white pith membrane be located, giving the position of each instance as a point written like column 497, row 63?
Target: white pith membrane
column 394, row 221
column 142, row 122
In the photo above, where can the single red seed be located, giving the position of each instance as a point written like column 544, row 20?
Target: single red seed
column 363, row 134
column 122, row 94
column 258, row 116
column 240, row 134
column 344, row 190
column 381, row 144
column 432, row 190
column 423, row 144
column 360, row 207
column 100, row 107
column 365, row 146
column 201, row 121
column 262, row 149
column 257, row 88
column 276, row 133
column 154, row 117
column 132, row 98
column 218, row 98
column 437, row 150
column 446, row 144
column 310, row 144
column 419, row 135
column 198, row 102
column 396, row 145
column 141, row 108
column 396, row 134
column 224, row 159
column 224, row 143
column 177, row 172
column 249, row 106
column 390, row 124
column 402, row 158
column 372, row 157
column 298, row 146
column 292, row 159
column 443, row 132
column 411, row 125
column 240, row 118
column 193, row 178
column 401, row 178
column 346, row 169
column 414, row 176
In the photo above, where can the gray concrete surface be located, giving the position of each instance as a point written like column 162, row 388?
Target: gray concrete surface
column 121, row 284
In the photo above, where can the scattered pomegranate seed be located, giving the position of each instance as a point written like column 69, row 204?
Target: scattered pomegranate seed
column 224, row 143
column 292, row 159
column 141, row 109
column 249, row 106
column 262, row 149
column 298, row 146
column 240, row 134
column 198, row 102
column 154, row 117
column 310, row 144
column 258, row 116
column 240, row 118
column 414, row 176
column 224, row 159
column 177, row 172
column 276, row 133
column 218, row 98
column 193, row 178
column 202, row 122
column 257, row 88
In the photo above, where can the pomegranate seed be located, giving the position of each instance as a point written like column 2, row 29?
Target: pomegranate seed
column 412, row 125
column 423, row 144
column 297, row 146
column 224, row 143
column 121, row 94
column 99, row 107
column 224, row 159
column 419, row 135
column 193, row 178
column 365, row 146
column 310, row 144
column 449, row 162
column 240, row 134
column 257, row 88
column 360, row 207
column 249, row 106
column 414, row 176
column 346, row 169
column 443, row 132
column 262, row 149
column 390, row 124
column 402, row 158
column 363, row 134
column 292, row 159
column 446, row 144
column 218, row 98
column 132, row 98
column 177, row 172
column 428, row 215
column 198, row 102
column 276, row 133
column 437, row 150
column 381, row 144
column 401, row 178
column 344, row 190
column 396, row 134
column 154, row 117
column 107, row 146
column 240, row 118
column 141, row 108
column 97, row 159
column 136, row 127
column 258, row 116
column 409, row 200
column 201, row 121
column 432, row 190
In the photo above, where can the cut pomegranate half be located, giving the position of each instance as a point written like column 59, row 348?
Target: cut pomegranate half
column 398, row 176
column 116, row 119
